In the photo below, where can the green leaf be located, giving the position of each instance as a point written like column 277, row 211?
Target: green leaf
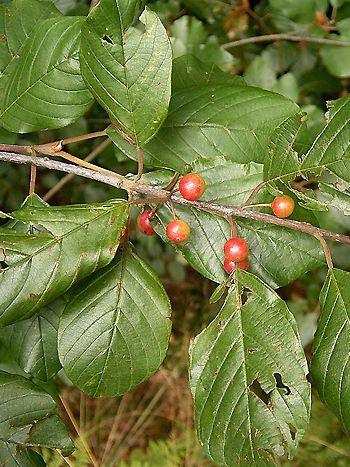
column 11, row 456
column 248, row 377
column 218, row 293
column 18, row 20
column 337, row 59
column 214, row 120
column 259, row 73
column 331, row 349
column 296, row 10
column 44, row 89
column 308, row 200
column 189, row 71
column 41, row 268
column 114, row 334
column 128, row 72
column 333, row 197
column 28, row 415
column 331, row 148
column 282, row 158
column 33, row 342
column 287, row 85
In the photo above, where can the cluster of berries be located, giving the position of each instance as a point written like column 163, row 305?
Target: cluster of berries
column 191, row 187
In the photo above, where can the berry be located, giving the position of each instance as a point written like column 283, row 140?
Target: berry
column 192, row 186
column 178, row 231
column 229, row 265
column 236, row 249
column 282, row 206
column 144, row 224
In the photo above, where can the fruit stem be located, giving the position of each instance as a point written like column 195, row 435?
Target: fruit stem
column 233, row 226
column 171, row 206
column 262, row 205
column 326, row 250
column 139, row 163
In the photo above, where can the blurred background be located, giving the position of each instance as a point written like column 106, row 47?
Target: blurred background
column 153, row 425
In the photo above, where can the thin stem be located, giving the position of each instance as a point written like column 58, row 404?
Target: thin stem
column 253, row 194
column 143, row 201
column 172, row 182
column 285, row 37
column 52, row 148
column 119, row 181
column 326, row 250
column 93, row 4
column 261, row 205
column 74, row 423
column 139, row 163
column 32, row 180
column 233, row 226
column 83, row 163
column 76, row 139
column 171, row 205
column 93, row 154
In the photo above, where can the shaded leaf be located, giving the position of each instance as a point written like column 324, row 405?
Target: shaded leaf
column 114, row 334
column 308, row 200
column 214, row 120
column 282, row 161
column 11, row 456
column 44, row 89
column 41, row 268
column 218, row 293
column 333, row 197
column 337, row 59
column 28, row 415
column 331, row 148
column 33, row 342
column 128, row 72
column 248, row 379
column 331, row 349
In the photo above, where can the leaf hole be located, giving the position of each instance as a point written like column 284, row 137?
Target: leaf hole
column 256, row 388
column 280, row 384
column 107, row 39
column 253, row 350
column 3, row 265
column 293, row 431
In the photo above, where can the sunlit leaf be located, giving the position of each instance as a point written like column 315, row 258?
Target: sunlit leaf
column 114, row 334
column 248, row 379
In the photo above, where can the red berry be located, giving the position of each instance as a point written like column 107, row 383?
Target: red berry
column 178, row 231
column 192, row 186
column 144, row 224
column 229, row 265
column 282, row 206
column 236, row 249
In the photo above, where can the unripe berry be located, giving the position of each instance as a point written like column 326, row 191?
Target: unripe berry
column 229, row 265
column 178, row 231
column 192, row 186
column 144, row 224
column 236, row 249
column 282, row 206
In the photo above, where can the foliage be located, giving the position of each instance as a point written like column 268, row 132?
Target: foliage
column 254, row 120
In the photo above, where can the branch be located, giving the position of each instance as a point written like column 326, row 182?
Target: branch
column 93, row 154
column 161, row 195
column 285, row 37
